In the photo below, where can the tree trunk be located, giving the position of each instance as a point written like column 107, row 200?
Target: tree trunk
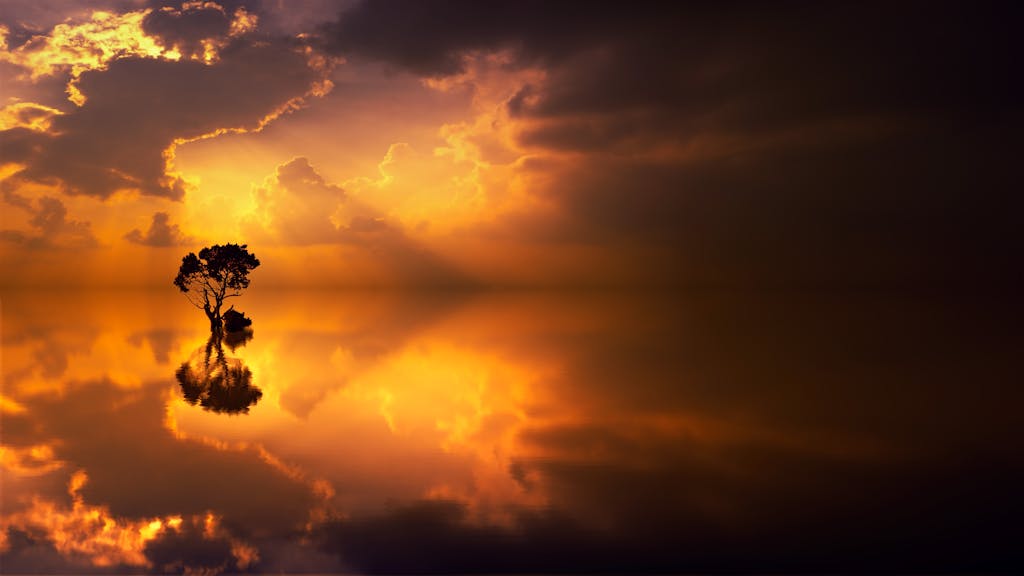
column 215, row 322
column 216, row 318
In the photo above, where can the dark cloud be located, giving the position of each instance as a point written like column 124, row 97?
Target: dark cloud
column 160, row 233
column 190, row 548
column 161, row 341
column 187, row 26
column 664, row 523
column 30, row 553
column 431, row 38
column 692, row 57
column 281, row 17
column 887, row 210
column 733, row 143
column 137, row 108
column 20, row 144
column 194, row 27
column 49, row 218
column 437, row 537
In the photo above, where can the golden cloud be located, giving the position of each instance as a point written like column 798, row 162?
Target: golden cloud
column 74, row 48
column 88, row 534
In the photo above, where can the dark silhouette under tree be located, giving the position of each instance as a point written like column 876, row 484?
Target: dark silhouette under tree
column 217, row 273
column 216, row 382
column 235, row 321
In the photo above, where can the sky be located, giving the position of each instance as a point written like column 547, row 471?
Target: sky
column 703, row 144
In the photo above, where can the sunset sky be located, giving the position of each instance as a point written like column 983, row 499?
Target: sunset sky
column 524, row 143
column 769, row 252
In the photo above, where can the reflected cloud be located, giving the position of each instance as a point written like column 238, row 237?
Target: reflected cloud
column 529, row 432
column 29, row 460
column 217, row 382
column 161, row 341
column 85, row 532
column 87, row 536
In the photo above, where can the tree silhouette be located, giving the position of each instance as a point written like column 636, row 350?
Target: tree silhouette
column 219, row 272
column 216, row 382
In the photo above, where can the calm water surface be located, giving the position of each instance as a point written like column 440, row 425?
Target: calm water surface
column 532, row 432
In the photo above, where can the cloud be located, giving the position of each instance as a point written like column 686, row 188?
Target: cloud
column 123, row 137
column 432, row 39
column 198, row 30
column 204, row 517
column 49, row 218
column 27, row 115
column 160, row 233
column 139, row 98
column 297, row 207
column 75, row 47
column 730, row 144
column 25, row 19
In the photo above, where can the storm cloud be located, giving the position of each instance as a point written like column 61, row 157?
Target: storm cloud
column 739, row 144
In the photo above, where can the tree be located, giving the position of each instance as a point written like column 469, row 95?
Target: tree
column 218, row 273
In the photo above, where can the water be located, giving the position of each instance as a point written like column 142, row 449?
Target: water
column 493, row 432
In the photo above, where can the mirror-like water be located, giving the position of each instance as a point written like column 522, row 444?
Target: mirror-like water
column 388, row 432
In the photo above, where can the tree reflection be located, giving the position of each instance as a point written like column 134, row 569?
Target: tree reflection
column 237, row 339
column 217, row 382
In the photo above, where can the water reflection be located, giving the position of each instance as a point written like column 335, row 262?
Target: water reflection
column 217, row 382
column 501, row 432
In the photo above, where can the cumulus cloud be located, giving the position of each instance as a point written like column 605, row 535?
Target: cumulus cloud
column 160, row 233
column 137, row 109
column 298, row 207
column 51, row 227
column 198, row 29
column 140, row 95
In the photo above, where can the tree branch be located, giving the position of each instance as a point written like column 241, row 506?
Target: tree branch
column 192, row 298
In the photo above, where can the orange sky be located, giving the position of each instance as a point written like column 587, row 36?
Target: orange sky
column 352, row 174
